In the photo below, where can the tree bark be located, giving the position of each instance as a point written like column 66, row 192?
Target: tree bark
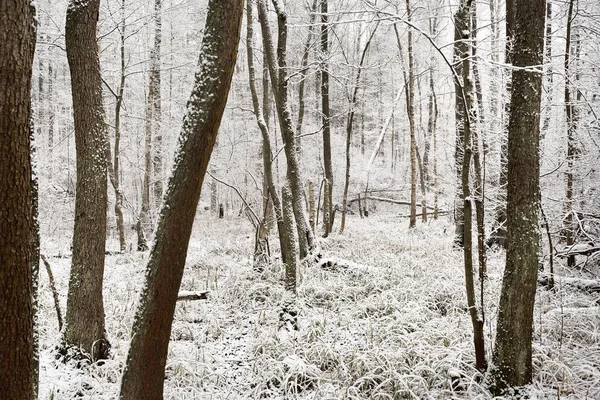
column 279, row 80
column 410, row 105
column 571, row 112
column 17, row 352
column 157, row 146
column 264, row 129
column 326, row 116
column 84, row 323
column 512, row 354
column 144, row 373
column 499, row 233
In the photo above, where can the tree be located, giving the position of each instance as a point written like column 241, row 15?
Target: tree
column 512, row 353
column 353, row 98
column 324, row 70
column 572, row 121
column 143, row 377
column 84, row 323
column 19, row 372
column 264, row 129
column 277, row 65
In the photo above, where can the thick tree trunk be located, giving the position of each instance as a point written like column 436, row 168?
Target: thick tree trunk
column 326, row 115
column 17, row 352
column 512, row 354
column 279, row 80
column 144, row 373
column 84, row 323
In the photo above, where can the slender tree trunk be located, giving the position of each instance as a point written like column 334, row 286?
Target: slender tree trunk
column 114, row 174
column 548, row 79
column 84, row 323
column 461, row 53
column 17, row 221
column 499, row 233
column 143, row 376
column 512, row 354
column 326, row 116
column 464, row 96
column 569, row 226
column 278, row 72
column 264, row 129
column 157, row 146
column 304, row 69
column 349, row 126
column 479, row 197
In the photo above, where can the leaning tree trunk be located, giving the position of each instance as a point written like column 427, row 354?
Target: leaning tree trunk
column 512, row 354
column 279, row 80
column 19, row 373
column 144, row 373
column 84, row 324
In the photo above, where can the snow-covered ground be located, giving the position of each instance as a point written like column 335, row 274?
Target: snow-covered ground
column 391, row 323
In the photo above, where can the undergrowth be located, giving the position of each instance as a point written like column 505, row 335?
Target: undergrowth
column 387, row 320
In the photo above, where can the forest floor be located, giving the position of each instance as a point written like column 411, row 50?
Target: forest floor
column 391, row 324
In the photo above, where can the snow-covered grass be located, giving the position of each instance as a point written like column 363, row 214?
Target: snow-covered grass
column 387, row 320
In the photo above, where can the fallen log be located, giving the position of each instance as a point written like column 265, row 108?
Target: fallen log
column 579, row 249
column 384, row 200
column 186, row 295
column 585, row 285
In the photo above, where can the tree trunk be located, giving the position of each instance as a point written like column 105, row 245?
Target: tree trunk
column 499, row 233
column 304, row 70
column 465, row 97
column 569, row 226
column 144, row 373
column 17, row 224
column 512, row 354
column 548, row 73
column 349, row 126
column 114, row 174
column 157, row 146
column 461, row 52
column 264, row 129
column 84, row 323
column 324, row 70
column 279, row 81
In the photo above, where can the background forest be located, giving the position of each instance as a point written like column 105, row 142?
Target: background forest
column 388, row 101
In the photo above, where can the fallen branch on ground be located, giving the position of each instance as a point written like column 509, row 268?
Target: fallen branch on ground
column 54, row 291
column 586, row 285
column 186, row 295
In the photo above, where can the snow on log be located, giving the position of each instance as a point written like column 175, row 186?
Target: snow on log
column 579, row 249
column 186, row 295
column 586, row 285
